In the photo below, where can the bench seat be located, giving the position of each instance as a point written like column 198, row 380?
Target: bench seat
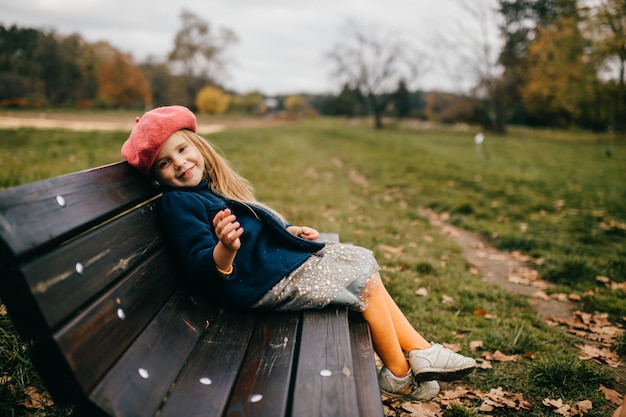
column 117, row 329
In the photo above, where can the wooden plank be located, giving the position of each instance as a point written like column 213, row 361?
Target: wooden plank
column 207, row 379
column 263, row 386
column 325, row 384
column 78, row 271
column 139, row 381
column 46, row 211
column 367, row 390
column 96, row 338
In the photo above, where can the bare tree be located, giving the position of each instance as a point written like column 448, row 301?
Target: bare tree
column 199, row 52
column 372, row 62
column 473, row 45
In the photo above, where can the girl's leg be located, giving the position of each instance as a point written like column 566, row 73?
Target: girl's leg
column 427, row 361
column 408, row 337
column 384, row 336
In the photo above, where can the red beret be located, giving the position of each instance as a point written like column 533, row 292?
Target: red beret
column 151, row 132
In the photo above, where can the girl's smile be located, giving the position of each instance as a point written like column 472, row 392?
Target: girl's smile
column 178, row 163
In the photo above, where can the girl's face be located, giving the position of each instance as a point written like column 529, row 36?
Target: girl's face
column 179, row 164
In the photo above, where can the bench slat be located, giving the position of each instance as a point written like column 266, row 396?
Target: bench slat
column 112, row 323
column 139, row 381
column 364, row 368
column 79, row 270
column 325, row 384
column 263, row 385
column 45, row 211
column 207, row 379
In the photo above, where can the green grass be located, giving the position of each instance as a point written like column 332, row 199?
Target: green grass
column 552, row 195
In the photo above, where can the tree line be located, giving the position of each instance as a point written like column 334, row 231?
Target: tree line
column 557, row 63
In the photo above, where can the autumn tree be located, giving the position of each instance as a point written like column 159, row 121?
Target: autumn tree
column 519, row 22
column 294, row 104
column 212, row 100
column 252, row 102
column 372, row 62
column 609, row 33
column 559, row 76
column 198, row 52
column 92, row 59
column 123, row 84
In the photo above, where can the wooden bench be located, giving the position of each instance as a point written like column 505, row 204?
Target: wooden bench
column 117, row 330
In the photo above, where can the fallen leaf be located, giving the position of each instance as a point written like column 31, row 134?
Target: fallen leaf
column 36, row 400
column 603, row 279
column 454, row 347
column 500, row 357
column 475, row 344
column 498, row 398
column 447, row 300
column 425, row 409
column 422, row 292
column 391, row 249
column 482, row 312
column 599, row 354
column 581, row 407
column 611, row 395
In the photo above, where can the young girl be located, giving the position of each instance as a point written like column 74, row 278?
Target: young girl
column 246, row 255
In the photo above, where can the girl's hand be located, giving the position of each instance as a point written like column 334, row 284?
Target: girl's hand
column 304, row 232
column 228, row 229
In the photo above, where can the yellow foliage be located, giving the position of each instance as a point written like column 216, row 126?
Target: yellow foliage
column 295, row 104
column 212, row 100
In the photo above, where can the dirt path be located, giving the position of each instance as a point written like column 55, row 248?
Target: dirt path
column 507, row 270
column 117, row 122
column 510, row 272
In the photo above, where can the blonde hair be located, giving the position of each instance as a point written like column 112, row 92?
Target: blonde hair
column 222, row 177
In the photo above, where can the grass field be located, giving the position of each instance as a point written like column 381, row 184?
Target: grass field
column 559, row 197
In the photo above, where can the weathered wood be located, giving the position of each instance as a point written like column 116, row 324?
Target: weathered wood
column 264, row 382
column 43, row 212
column 138, row 382
column 325, row 384
column 112, row 322
column 119, row 330
column 79, row 270
column 205, row 383
column 364, row 366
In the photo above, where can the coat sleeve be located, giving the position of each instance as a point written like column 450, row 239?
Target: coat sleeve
column 188, row 222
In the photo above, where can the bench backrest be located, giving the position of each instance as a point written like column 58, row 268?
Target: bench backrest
column 79, row 278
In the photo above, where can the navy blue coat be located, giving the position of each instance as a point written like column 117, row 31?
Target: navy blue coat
column 268, row 251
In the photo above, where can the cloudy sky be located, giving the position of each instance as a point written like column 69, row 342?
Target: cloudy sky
column 281, row 45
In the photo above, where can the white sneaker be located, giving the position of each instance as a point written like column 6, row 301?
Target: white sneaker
column 405, row 387
column 438, row 362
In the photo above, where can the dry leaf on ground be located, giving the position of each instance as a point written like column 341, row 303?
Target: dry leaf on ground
column 36, row 400
column 595, row 327
column 611, row 395
column 578, row 409
column 500, row 357
column 599, row 354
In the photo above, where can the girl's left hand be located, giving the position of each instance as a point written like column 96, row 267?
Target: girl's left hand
column 304, row 232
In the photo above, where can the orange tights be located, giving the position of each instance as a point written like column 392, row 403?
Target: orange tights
column 392, row 334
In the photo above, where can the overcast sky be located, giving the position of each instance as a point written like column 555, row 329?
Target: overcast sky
column 281, row 42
